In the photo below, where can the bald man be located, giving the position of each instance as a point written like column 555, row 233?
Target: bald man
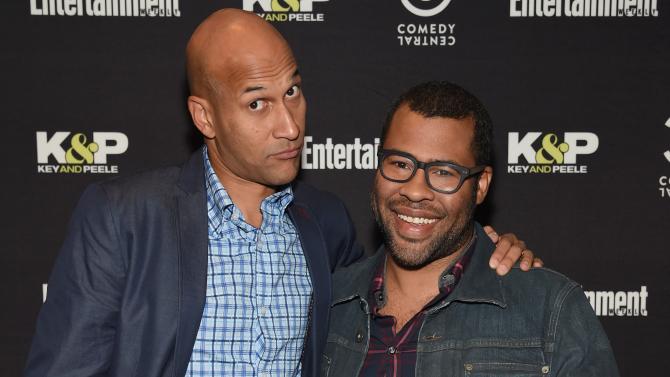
column 220, row 267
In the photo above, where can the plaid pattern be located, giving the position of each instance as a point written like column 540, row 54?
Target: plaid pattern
column 394, row 354
column 258, row 290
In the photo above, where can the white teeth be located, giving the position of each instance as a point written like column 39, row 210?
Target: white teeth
column 417, row 220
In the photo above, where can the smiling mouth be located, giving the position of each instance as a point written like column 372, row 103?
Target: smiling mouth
column 416, row 220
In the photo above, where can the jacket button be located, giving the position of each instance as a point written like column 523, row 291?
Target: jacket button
column 359, row 337
column 545, row 369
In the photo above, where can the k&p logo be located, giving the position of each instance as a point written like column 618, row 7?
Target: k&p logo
column 426, row 8
column 547, row 153
column 285, row 10
column 76, row 153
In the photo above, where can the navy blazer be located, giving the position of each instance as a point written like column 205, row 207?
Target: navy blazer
column 128, row 288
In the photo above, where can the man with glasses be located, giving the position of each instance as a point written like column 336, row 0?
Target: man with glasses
column 427, row 304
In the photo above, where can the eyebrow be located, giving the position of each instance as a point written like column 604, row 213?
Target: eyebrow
column 260, row 87
column 450, row 161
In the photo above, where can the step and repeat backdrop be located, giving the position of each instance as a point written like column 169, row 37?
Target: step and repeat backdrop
column 579, row 91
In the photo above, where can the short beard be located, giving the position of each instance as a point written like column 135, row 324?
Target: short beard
column 456, row 237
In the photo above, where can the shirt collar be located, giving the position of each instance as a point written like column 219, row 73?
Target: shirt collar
column 221, row 207
column 447, row 281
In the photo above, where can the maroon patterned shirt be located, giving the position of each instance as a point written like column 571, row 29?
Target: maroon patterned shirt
column 392, row 354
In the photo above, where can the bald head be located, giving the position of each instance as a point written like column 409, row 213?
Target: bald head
column 225, row 42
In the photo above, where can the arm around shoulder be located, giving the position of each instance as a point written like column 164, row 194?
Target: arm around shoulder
column 76, row 326
column 582, row 347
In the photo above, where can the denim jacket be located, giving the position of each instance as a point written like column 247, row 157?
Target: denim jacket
column 536, row 323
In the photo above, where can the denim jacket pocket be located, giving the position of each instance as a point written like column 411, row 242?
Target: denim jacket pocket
column 494, row 369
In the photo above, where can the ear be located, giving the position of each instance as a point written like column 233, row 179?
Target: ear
column 483, row 183
column 201, row 115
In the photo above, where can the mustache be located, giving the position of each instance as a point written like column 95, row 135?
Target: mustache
column 402, row 202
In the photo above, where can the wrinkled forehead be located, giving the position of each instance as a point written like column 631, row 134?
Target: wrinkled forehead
column 235, row 65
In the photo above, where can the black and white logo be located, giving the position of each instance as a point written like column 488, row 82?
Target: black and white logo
column 415, row 34
column 426, row 8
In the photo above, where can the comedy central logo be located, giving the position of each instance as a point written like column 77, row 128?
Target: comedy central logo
column 68, row 153
column 426, row 33
column 547, row 153
column 285, row 10
column 664, row 180
column 426, row 8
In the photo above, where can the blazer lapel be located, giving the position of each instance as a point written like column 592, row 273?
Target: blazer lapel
column 192, row 225
column 316, row 255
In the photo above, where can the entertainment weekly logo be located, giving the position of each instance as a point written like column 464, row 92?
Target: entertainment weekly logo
column 285, row 10
column 339, row 156
column 417, row 34
column 106, row 8
column 619, row 303
column 64, row 152
column 583, row 8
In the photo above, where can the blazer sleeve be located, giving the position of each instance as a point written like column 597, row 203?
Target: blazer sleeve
column 76, row 327
column 582, row 348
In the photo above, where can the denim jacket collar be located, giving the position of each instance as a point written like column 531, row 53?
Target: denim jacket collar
column 479, row 282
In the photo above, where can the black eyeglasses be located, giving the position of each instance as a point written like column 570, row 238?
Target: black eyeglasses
column 441, row 176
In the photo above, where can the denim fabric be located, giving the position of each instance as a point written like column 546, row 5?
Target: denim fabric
column 535, row 323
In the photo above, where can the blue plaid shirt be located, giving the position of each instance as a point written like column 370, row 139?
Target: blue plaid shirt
column 258, row 290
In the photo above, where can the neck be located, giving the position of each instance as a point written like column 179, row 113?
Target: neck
column 246, row 195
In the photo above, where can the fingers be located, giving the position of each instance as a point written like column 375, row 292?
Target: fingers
column 500, row 253
column 491, row 233
column 526, row 259
column 537, row 262
column 512, row 254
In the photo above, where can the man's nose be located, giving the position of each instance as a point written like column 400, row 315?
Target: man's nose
column 286, row 126
column 416, row 189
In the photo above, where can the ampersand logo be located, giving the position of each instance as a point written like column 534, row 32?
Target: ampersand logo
column 80, row 152
column 553, row 148
column 285, row 10
column 285, row 5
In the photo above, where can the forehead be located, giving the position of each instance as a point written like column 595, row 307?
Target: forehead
column 253, row 70
column 430, row 139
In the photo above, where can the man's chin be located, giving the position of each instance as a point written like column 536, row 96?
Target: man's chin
column 283, row 177
column 409, row 254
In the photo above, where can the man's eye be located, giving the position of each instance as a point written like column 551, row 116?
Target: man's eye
column 400, row 164
column 257, row 105
column 443, row 172
column 293, row 91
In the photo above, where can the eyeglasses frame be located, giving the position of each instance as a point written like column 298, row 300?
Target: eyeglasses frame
column 465, row 172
